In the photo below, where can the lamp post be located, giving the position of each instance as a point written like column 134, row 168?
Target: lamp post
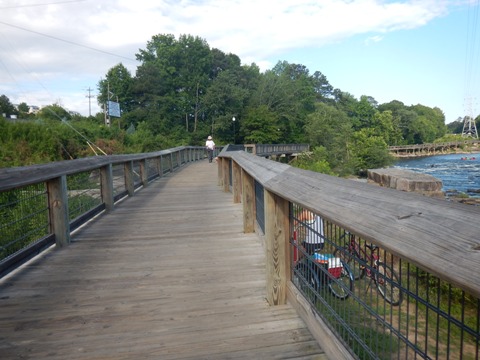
column 233, row 119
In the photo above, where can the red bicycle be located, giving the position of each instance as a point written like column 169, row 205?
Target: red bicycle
column 312, row 272
column 367, row 263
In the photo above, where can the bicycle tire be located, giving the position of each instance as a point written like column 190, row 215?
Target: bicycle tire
column 351, row 259
column 306, row 280
column 388, row 283
column 342, row 287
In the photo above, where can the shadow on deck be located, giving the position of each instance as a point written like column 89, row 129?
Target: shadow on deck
column 169, row 274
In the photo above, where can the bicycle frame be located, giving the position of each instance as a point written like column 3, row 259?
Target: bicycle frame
column 318, row 273
column 368, row 263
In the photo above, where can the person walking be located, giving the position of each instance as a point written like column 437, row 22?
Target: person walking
column 210, row 145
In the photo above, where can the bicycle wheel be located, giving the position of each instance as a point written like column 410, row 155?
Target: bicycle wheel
column 351, row 257
column 306, row 280
column 388, row 283
column 342, row 287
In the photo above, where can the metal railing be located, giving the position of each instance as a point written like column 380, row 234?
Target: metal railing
column 391, row 309
column 41, row 205
column 395, row 276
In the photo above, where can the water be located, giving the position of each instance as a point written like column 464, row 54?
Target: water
column 457, row 175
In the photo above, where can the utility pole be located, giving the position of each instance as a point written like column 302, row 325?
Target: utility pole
column 89, row 96
column 106, row 109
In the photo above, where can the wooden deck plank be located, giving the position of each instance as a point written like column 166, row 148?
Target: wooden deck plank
column 168, row 275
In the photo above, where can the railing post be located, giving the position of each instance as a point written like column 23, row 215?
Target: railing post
column 226, row 174
column 143, row 172
column 220, row 171
column 171, row 163
column 129, row 183
column 248, row 200
column 58, row 210
column 158, row 162
column 106, row 185
column 236, row 183
column 276, row 239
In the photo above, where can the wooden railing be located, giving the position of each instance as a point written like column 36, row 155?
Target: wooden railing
column 276, row 149
column 430, row 243
column 41, row 205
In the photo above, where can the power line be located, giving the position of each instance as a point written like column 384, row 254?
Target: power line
column 44, row 4
column 67, row 41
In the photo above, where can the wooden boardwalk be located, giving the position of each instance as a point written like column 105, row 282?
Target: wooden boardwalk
column 168, row 275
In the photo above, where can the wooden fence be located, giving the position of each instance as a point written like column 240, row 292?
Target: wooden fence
column 439, row 237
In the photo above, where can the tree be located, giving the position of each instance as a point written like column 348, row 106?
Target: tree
column 422, row 131
column 383, row 125
column 6, row 106
column 54, row 112
column 455, row 127
column 323, row 89
column 370, row 151
column 23, row 108
column 179, row 72
column 331, row 128
column 260, row 126
column 287, row 90
column 417, row 124
column 117, row 86
column 225, row 98
column 316, row 161
column 434, row 117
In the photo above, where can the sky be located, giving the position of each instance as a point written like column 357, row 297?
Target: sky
column 414, row 51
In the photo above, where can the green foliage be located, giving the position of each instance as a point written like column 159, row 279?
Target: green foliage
column 314, row 161
column 260, row 126
column 450, row 138
column 54, row 112
column 455, row 127
column 23, row 107
column 331, row 128
column 370, row 151
column 183, row 91
column 24, row 218
column 6, row 107
column 117, row 86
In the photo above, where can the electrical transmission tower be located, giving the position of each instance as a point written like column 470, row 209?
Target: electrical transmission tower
column 469, row 127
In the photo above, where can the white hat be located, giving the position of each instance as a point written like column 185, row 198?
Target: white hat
column 209, row 137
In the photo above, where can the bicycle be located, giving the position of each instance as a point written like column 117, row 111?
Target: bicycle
column 364, row 264
column 313, row 272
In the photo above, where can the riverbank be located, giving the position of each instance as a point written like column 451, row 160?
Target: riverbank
column 417, row 155
column 459, row 172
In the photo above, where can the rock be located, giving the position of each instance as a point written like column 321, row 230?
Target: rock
column 406, row 180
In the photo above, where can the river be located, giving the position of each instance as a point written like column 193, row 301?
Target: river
column 458, row 172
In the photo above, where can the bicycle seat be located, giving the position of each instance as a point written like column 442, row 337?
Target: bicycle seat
column 373, row 247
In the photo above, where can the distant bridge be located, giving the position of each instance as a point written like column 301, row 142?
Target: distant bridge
column 433, row 149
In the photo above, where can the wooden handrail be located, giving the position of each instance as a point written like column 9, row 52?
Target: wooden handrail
column 439, row 236
column 16, row 177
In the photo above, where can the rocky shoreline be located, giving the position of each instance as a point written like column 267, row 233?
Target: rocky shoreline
column 410, row 181
column 453, row 195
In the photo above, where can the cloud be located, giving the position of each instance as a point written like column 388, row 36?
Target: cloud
column 65, row 42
